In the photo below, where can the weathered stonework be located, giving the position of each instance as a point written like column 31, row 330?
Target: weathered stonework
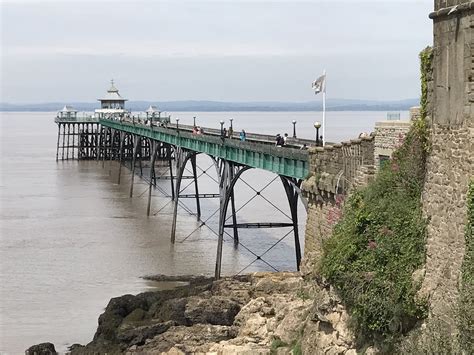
column 335, row 170
column 450, row 163
column 389, row 135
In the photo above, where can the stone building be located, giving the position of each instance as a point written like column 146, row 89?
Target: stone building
column 450, row 162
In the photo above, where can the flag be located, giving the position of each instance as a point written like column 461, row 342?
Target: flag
column 319, row 85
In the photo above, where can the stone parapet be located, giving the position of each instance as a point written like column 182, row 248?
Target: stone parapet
column 334, row 167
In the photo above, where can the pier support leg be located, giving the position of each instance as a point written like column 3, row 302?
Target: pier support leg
column 154, row 148
column 196, row 190
column 229, row 173
column 57, row 145
column 234, row 218
column 181, row 156
column 68, row 134
column 170, row 162
column 291, row 185
column 137, row 140
column 104, row 146
column 122, row 137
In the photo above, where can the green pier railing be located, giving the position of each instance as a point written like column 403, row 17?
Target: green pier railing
column 284, row 161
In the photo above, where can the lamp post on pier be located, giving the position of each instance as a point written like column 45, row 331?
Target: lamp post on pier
column 231, row 126
column 194, row 121
column 222, row 128
column 177, row 124
column 317, row 125
column 294, row 128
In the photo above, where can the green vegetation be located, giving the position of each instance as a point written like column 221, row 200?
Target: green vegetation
column 277, row 343
column 466, row 301
column 296, row 348
column 380, row 241
column 426, row 69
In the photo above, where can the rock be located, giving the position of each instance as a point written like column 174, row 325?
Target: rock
column 191, row 279
column 216, row 310
column 269, row 283
column 291, row 325
column 117, row 309
column 74, row 347
column 41, row 349
column 235, row 315
column 172, row 309
column 247, row 349
column 193, row 339
column 138, row 335
column 135, row 316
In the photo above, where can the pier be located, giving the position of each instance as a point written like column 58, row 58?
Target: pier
column 112, row 134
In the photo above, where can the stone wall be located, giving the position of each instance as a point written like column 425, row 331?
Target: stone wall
column 389, row 136
column 335, row 170
column 450, row 163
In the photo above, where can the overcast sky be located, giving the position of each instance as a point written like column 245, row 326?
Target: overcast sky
column 239, row 50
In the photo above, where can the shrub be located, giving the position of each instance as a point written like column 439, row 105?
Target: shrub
column 373, row 253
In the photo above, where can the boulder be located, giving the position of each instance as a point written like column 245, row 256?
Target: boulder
column 216, row 310
column 172, row 309
column 138, row 335
column 194, row 339
column 41, row 349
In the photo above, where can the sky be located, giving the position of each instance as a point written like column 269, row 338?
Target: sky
column 241, row 50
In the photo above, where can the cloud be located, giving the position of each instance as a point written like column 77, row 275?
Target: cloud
column 266, row 49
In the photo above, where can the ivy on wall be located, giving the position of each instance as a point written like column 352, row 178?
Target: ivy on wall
column 426, row 69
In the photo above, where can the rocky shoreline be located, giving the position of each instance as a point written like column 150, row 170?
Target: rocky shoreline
column 259, row 313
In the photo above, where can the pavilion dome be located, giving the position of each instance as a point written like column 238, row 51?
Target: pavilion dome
column 112, row 94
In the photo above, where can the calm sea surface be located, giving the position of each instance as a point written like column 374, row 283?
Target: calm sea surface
column 71, row 238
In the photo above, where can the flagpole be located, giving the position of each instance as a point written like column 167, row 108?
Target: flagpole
column 324, row 109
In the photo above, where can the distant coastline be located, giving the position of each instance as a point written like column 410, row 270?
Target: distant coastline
column 219, row 106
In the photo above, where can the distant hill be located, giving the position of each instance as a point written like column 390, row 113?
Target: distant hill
column 221, row 106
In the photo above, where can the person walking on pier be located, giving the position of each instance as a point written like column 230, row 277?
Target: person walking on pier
column 280, row 141
column 243, row 136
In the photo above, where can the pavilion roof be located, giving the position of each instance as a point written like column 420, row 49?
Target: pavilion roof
column 152, row 109
column 68, row 108
column 112, row 94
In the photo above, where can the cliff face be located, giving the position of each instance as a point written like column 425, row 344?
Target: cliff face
column 450, row 162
